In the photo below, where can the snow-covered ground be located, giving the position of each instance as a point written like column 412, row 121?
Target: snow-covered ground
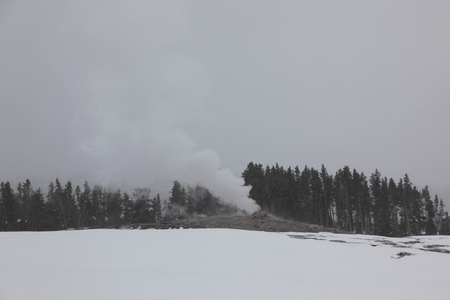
column 220, row 264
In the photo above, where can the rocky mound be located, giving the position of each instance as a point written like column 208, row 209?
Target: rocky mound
column 259, row 221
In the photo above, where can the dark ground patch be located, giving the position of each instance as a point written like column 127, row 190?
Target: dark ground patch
column 259, row 221
column 401, row 255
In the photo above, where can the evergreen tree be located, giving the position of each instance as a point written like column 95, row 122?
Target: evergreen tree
column 51, row 209
column 384, row 212
column 98, row 215
column 254, row 176
column 406, row 198
column 304, row 196
column 343, row 196
column 141, row 213
column 394, row 203
column 445, row 226
column 317, row 200
column 281, row 191
column 440, row 213
column 59, row 200
column 38, row 211
column 77, row 197
column 178, row 201
column 200, row 201
column 417, row 209
column 358, row 202
column 327, row 195
column 430, row 227
column 113, row 201
column 9, row 208
column 156, row 209
column 70, row 210
column 85, row 206
column 23, row 197
column 127, row 209
column 362, row 203
column 288, row 194
column 375, row 192
column 178, row 194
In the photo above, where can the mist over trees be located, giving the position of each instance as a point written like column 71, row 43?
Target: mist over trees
column 347, row 200
column 65, row 207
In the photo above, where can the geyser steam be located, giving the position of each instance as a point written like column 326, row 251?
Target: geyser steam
column 131, row 144
column 141, row 90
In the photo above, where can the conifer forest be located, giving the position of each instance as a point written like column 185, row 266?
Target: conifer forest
column 347, row 200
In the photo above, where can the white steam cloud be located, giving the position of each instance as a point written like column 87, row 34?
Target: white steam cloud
column 140, row 92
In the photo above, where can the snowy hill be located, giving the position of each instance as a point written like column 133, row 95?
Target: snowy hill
column 220, row 264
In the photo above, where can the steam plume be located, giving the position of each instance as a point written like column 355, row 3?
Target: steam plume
column 130, row 130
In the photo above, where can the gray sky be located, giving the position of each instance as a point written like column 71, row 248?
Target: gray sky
column 140, row 93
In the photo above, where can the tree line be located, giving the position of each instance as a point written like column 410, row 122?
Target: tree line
column 347, row 200
column 65, row 207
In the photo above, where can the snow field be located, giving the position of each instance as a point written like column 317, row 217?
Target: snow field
column 218, row 264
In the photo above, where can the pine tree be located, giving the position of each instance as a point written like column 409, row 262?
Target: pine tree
column 70, row 210
column 98, row 217
column 85, row 206
column 9, row 208
column 418, row 216
column 141, row 213
column 51, row 209
column 254, row 176
column 200, row 201
column 178, row 194
column 178, row 201
column 59, row 201
column 156, row 209
column 304, row 196
column 445, row 226
column 384, row 211
column 23, row 197
column 430, row 227
column 394, row 202
column 440, row 213
column 317, row 203
column 327, row 195
column 376, row 194
column 406, row 198
column 127, row 209
column 77, row 197
column 113, row 201
column 37, row 216
column 343, row 196
column 287, row 193
column 360, row 202
column 281, row 191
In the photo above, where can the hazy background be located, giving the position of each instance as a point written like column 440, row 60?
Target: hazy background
column 140, row 93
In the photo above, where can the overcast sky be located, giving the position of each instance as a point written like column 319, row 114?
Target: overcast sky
column 145, row 92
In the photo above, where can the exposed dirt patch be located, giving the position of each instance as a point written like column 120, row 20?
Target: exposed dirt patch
column 439, row 250
column 259, row 221
column 401, row 255
column 434, row 246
